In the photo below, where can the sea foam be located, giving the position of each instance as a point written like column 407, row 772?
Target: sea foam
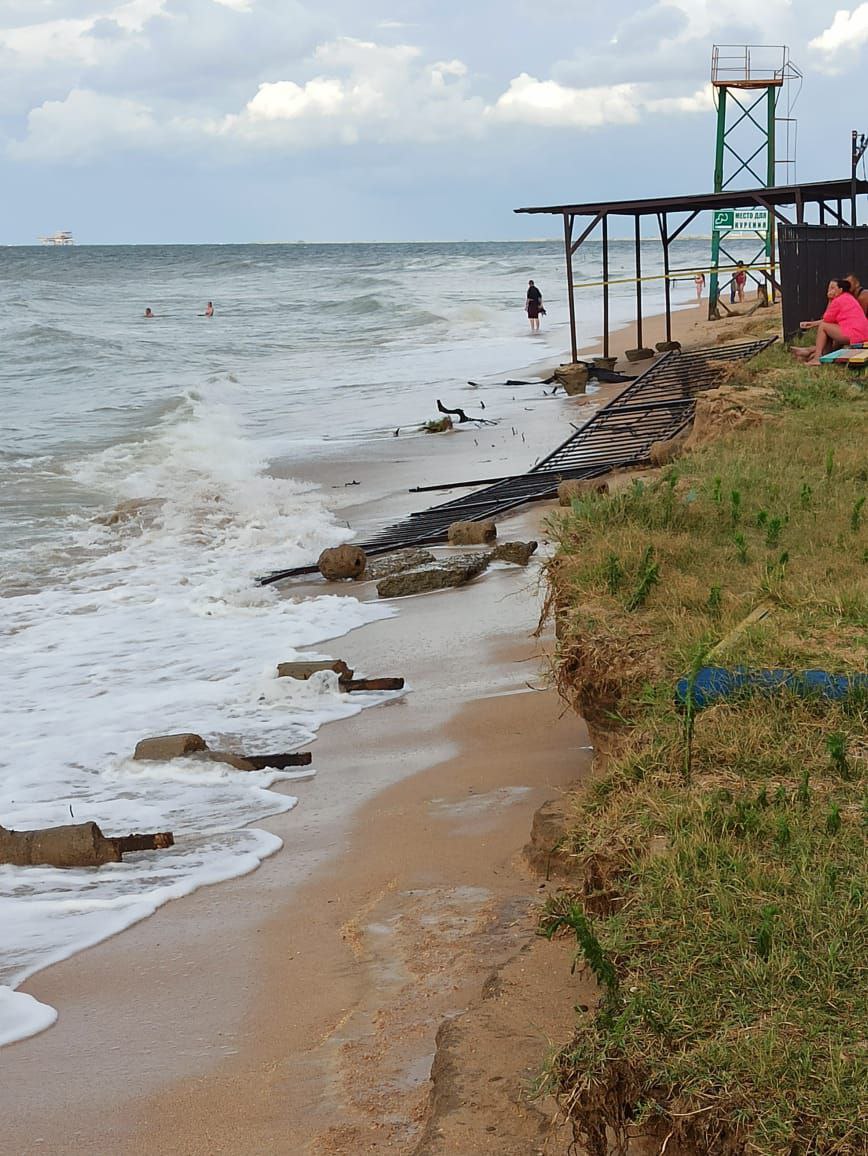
column 157, row 627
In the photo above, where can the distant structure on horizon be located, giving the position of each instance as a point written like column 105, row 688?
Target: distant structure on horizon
column 64, row 238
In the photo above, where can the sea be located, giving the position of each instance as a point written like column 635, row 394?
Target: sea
column 115, row 628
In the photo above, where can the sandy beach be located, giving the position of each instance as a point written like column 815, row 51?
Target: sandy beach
column 296, row 1009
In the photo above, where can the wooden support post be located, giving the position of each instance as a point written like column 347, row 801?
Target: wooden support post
column 667, row 288
column 638, row 244
column 605, row 285
column 568, row 254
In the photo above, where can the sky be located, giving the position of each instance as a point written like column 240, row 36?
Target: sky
column 174, row 121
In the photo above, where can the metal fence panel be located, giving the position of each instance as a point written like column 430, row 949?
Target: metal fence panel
column 811, row 256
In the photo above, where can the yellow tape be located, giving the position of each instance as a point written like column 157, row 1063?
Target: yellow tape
column 677, row 275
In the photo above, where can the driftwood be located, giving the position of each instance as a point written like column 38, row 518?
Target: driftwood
column 303, row 670
column 346, row 682
column 156, row 842
column 462, row 416
column 512, row 381
column 191, row 746
column 459, row 413
column 351, row 684
column 279, row 762
column 73, row 845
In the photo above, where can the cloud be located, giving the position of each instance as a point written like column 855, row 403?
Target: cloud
column 83, row 125
column 156, row 50
column 554, row 105
column 545, row 102
column 222, row 78
column 364, row 91
column 704, row 17
column 669, row 41
column 208, row 50
column 845, row 35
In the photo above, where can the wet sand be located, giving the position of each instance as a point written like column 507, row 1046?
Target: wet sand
column 295, row 1010
column 243, row 1016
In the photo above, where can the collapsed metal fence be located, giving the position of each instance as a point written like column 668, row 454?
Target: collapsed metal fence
column 657, row 405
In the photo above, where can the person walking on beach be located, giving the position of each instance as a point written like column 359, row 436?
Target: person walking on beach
column 533, row 306
column 740, row 280
column 699, row 282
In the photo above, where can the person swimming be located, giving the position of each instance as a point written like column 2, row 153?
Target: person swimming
column 148, row 312
column 209, row 310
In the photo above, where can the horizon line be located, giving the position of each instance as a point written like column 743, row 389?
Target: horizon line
column 406, row 241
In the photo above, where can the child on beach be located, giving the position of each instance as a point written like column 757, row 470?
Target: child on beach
column 740, row 280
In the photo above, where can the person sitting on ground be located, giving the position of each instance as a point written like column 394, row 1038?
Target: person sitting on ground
column 843, row 323
column 858, row 292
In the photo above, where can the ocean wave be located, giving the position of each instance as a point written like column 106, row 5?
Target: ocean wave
column 152, row 628
column 360, row 306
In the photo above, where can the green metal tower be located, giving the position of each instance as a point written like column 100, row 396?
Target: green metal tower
column 755, row 147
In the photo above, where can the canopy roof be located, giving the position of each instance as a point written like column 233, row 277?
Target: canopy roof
column 818, row 191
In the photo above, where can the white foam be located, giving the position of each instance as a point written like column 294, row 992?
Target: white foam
column 158, row 628
column 21, row 1016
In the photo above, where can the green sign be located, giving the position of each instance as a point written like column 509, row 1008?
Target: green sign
column 746, row 221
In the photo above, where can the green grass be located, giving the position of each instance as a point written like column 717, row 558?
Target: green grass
column 722, row 852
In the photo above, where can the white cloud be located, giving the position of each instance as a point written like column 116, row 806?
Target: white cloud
column 550, row 104
column 700, row 101
column 366, row 91
column 545, row 102
column 847, row 32
column 84, row 124
column 286, row 100
column 54, row 40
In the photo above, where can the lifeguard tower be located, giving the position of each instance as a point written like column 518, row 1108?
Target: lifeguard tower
column 755, row 90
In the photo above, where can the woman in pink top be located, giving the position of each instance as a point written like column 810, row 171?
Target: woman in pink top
column 844, row 323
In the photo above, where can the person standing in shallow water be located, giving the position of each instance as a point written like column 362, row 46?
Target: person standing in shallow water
column 209, row 310
column 533, row 306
